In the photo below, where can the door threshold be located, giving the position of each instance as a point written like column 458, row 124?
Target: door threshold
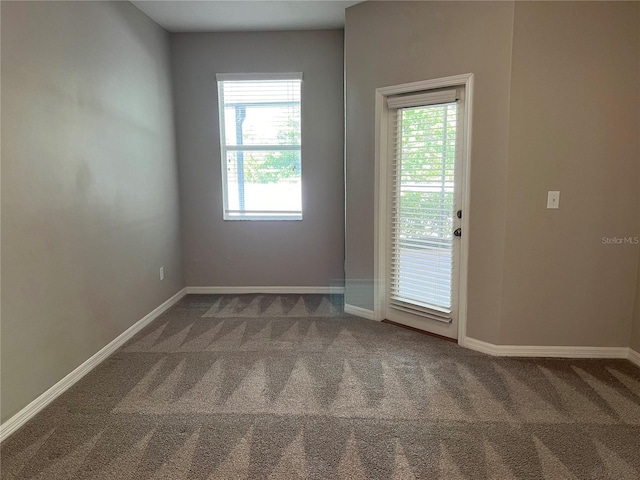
column 424, row 332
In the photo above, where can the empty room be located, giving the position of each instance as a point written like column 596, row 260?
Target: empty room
column 320, row 240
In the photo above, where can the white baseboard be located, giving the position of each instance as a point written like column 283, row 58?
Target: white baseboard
column 264, row 289
column 20, row 418
column 546, row 351
column 359, row 311
column 634, row 357
column 479, row 346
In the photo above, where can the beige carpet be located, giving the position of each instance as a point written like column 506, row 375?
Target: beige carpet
column 265, row 386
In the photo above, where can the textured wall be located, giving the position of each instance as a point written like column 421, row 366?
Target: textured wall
column 273, row 253
column 575, row 115
column 89, row 185
column 388, row 43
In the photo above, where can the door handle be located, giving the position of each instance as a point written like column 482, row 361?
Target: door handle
column 457, row 232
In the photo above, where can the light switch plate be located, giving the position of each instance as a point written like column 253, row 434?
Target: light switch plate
column 553, row 199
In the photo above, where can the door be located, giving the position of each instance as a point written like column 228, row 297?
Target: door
column 424, row 210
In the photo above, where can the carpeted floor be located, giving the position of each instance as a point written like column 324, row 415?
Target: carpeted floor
column 266, row 386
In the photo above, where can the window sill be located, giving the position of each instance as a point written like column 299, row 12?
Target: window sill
column 262, row 218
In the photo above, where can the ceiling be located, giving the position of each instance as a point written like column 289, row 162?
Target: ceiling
column 241, row 15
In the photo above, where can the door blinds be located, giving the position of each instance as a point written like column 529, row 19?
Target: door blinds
column 422, row 203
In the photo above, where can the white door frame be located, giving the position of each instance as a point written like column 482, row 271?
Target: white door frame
column 380, row 195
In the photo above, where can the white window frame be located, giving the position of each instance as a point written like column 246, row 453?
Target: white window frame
column 382, row 159
column 220, row 78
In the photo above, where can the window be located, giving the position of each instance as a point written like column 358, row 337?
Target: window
column 260, row 138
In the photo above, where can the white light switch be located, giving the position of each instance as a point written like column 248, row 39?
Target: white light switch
column 553, row 199
column 161, row 273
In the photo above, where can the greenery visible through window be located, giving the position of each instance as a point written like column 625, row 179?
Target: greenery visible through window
column 260, row 135
column 427, row 156
column 423, row 206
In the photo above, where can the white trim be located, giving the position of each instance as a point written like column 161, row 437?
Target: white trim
column 264, row 289
column 359, row 311
column 240, row 77
column 466, row 213
column 453, row 81
column 24, row 415
column 634, row 357
column 227, row 217
column 546, row 351
column 243, row 215
column 480, row 346
column 422, row 99
column 379, row 199
column 380, row 190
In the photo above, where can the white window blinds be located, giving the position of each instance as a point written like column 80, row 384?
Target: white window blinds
column 422, row 203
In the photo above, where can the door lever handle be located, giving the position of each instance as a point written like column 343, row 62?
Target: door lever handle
column 457, row 232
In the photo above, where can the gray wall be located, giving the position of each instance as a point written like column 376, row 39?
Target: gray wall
column 89, row 185
column 556, row 108
column 574, row 127
column 389, row 43
column 246, row 253
column 635, row 326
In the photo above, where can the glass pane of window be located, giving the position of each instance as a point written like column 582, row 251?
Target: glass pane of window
column 264, row 183
column 262, row 125
column 423, row 206
column 261, row 148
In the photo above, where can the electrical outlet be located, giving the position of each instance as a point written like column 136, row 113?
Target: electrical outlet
column 161, row 273
column 553, row 199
